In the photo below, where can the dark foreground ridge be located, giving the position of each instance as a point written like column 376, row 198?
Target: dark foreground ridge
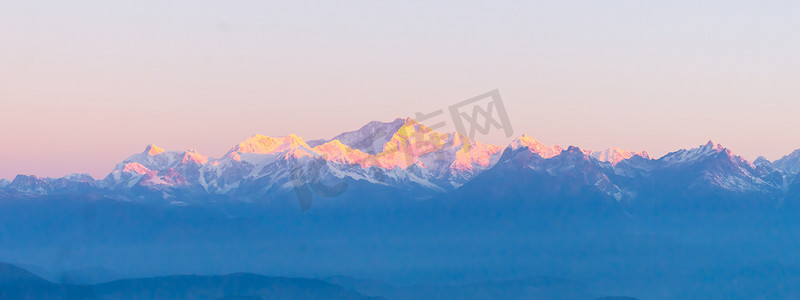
column 18, row 283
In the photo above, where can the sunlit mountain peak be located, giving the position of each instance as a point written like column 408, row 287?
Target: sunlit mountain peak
column 153, row 150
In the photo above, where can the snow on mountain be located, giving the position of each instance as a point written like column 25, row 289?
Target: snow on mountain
column 575, row 160
column 536, row 147
column 77, row 177
column 127, row 174
column 457, row 159
column 336, row 151
column 790, row 164
column 259, row 150
column 398, row 153
column 411, row 141
column 370, row 138
column 257, row 156
column 475, row 156
column 712, row 165
column 521, row 172
column 192, row 157
column 30, row 184
column 413, row 154
column 692, row 155
column 262, row 163
column 155, row 166
column 261, row 144
column 416, row 153
column 611, row 155
column 762, row 162
column 449, row 158
column 4, row 183
column 616, row 155
column 406, row 154
column 707, row 169
column 153, row 158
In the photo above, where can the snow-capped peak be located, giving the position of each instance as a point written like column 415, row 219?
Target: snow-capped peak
column 536, row 147
column 262, row 144
column 336, row 151
column 409, row 143
column 762, row 161
column 78, row 177
column 153, row 150
column 474, row 155
column 405, row 151
column 789, row 163
column 691, row 155
column 193, row 156
column 615, row 155
column 371, row 137
column 135, row 168
column 156, row 158
column 713, row 146
column 153, row 162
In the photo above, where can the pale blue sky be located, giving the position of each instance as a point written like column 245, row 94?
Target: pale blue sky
column 84, row 85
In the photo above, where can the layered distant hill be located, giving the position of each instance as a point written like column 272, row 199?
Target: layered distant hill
column 17, row 283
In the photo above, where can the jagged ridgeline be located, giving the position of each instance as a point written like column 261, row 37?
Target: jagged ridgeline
column 401, row 202
column 404, row 155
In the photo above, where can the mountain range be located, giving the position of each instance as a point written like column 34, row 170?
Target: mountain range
column 401, row 203
column 406, row 155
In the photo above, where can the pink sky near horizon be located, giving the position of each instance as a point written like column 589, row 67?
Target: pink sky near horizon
column 82, row 87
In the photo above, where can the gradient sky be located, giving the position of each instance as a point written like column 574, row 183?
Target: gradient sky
column 84, row 86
